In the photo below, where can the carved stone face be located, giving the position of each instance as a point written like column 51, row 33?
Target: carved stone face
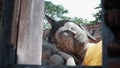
column 70, row 38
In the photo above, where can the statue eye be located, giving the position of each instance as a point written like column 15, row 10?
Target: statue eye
column 66, row 33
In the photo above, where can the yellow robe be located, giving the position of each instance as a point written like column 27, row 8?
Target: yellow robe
column 93, row 56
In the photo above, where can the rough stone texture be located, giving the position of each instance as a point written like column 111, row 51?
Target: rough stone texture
column 56, row 60
column 45, row 62
column 49, row 52
column 46, row 54
column 70, row 62
column 48, row 49
column 96, row 30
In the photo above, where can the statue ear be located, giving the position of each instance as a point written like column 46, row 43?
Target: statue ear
column 88, row 34
column 50, row 20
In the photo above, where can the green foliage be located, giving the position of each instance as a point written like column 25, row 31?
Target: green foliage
column 65, row 18
column 98, row 15
column 79, row 21
column 57, row 12
column 46, row 25
column 54, row 10
column 76, row 20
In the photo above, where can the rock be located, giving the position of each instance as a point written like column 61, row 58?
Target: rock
column 70, row 62
column 56, row 60
column 45, row 62
column 46, row 54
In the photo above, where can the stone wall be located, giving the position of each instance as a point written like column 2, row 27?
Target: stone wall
column 96, row 30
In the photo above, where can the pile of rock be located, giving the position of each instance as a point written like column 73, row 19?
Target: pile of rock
column 52, row 56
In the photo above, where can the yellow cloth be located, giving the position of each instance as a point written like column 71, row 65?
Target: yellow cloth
column 93, row 56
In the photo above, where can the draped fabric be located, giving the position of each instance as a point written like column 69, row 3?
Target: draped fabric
column 93, row 56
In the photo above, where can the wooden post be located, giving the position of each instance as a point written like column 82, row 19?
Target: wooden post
column 29, row 47
column 5, row 36
column 15, row 24
column 1, row 4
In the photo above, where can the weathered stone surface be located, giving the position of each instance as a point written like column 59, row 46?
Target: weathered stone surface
column 56, row 60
